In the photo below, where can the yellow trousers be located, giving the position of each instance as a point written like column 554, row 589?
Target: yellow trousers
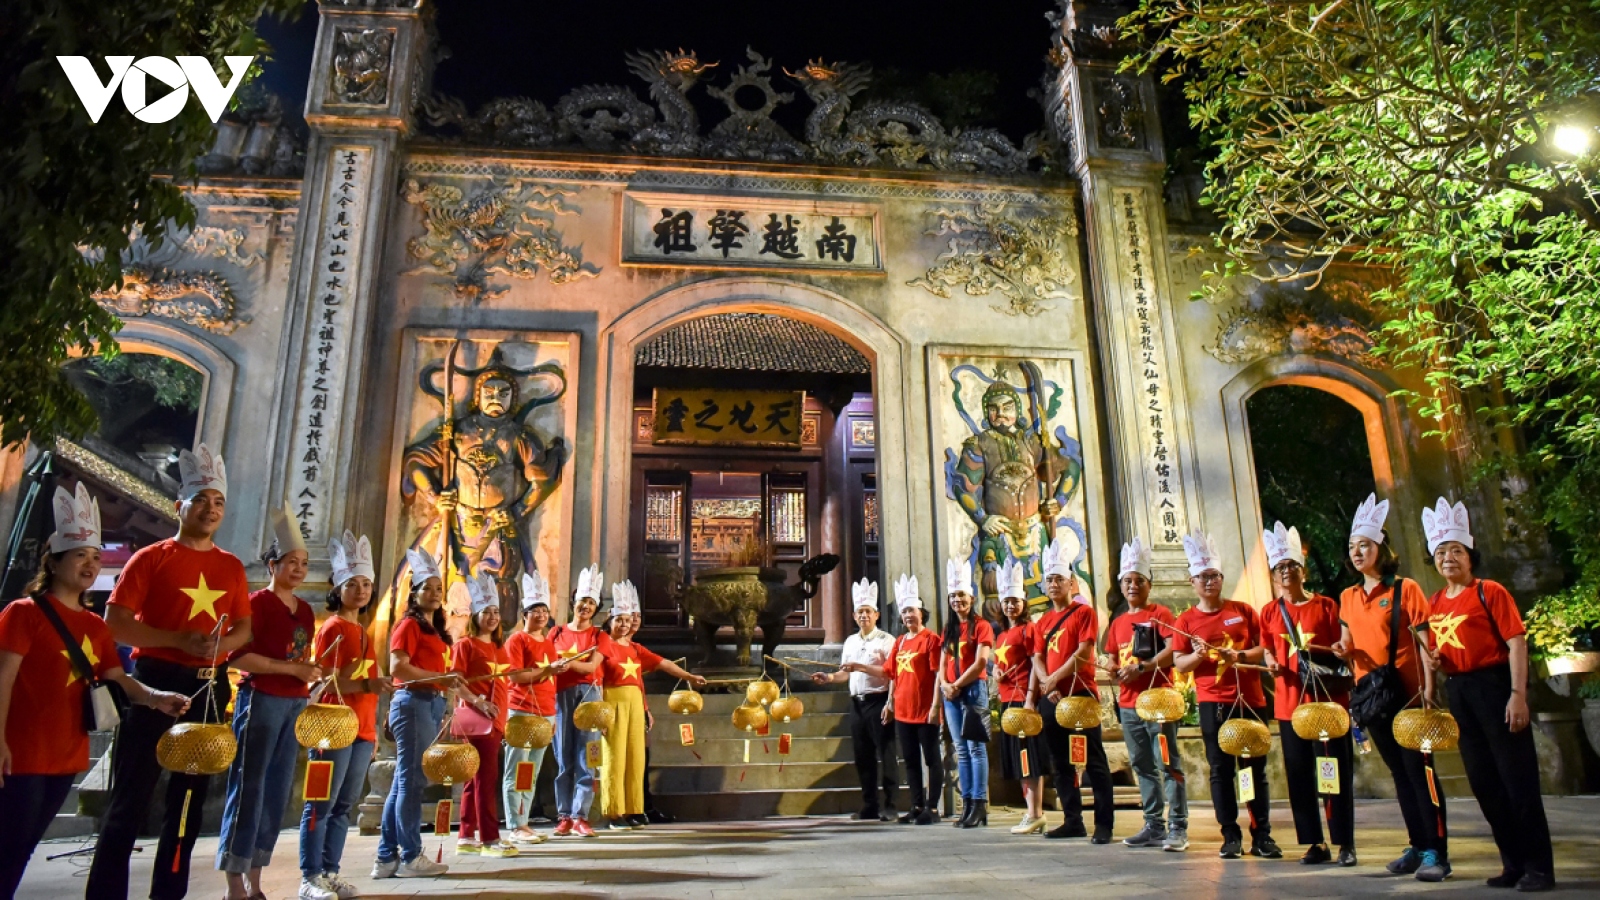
column 622, row 772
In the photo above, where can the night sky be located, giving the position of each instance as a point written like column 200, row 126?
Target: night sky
column 503, row 48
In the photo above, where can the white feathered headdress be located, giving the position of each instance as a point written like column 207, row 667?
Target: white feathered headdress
column 624, row 599
column 1202, row 553
column 1009, row 581
column 957, row 577
column 589, row 583
column 905, row 593
column 1061, row 553
column 1370, row 516
column 350, row 556
column 77, row 520
column 535, row 590
column 1447, row 523
column 423, row 566
column 1283, row 544
column 1135, row 558
column 201, row 470
column 864, row 593
column 484, row 592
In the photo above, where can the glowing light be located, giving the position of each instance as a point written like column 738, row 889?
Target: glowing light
column 1573, row 140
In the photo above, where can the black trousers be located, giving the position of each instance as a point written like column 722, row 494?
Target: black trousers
column 919, row 744
column 134, row 772
column 1425, row 822
column 1502, row 769
column 874, row 746
column 1309, row 806
column 1098, row 770
column 28, row 804
column 1225, row 772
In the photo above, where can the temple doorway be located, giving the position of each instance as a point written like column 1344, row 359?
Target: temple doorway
column 754, row 444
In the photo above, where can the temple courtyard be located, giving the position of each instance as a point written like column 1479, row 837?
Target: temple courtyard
column 833, row 858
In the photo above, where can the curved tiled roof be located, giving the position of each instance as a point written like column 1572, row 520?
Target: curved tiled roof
column 754, row 342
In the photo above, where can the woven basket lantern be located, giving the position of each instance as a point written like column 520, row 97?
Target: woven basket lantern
column 1320, row 721
column 1160, row 704
column 1020, row 722
column 761, row 692
column 197, row 748
column 749, row 717
column 1428, row 730
column 595, row 715
column 1078, row 712
column 326, row 726
column 787, row 709
column 686, row 703
column 529, row 732
column 450, row 762
column 1244, row 737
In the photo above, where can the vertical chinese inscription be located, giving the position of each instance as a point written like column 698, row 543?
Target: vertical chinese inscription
column 1148, row 372
column 329, row 323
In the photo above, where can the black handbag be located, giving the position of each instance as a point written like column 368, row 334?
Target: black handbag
column 114, row 700
column 1381, row 693
column 1331, row 673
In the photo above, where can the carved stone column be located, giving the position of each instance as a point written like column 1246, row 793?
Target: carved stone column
column 1108, row 123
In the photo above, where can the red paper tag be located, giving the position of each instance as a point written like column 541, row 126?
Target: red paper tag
column 1027, row 772
column 1433, row 790
column 441, row 817
column 319, row 779
column 1166, row 755
column 594, row 754
column 1080, row 750
column 525, row 776
column 686, row 734
column 765, row 729
column 784, row 740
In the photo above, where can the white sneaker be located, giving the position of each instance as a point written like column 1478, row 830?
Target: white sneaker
column 421, row 867
column 313, row 889
column 1028, row 825
column 344, row 889
column 528, row 837
column 382, row 869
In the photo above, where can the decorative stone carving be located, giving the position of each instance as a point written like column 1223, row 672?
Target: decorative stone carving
column 492, row 233
column 1311, row 323
column 1121, row 112
column 221, row 243
column 670, row 76
column 751, row 133
column 152, row 285
column 361, row 62
column 993, row 249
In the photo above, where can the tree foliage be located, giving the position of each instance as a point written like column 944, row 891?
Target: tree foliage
column 67, row 183
column 1422, row 135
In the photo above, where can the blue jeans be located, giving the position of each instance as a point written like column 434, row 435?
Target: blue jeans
column 414, row 718
column 574, row 778
column 518, row 803
column 1144, row 757
column 324, row 824
column 972, row 758
column 259, row 780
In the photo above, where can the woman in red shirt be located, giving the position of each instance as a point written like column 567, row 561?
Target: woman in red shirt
column 1290, row 625
column 964, row 684
column 1479, row 641
column 343, row 647
column 44, row 740
column 914, row 704
column 478, row 659
column 578, row 684
column 531, row 694
column 279, row 668
column 1021, row 759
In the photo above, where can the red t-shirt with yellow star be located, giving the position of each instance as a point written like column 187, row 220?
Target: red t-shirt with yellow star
column 1078, row 624
column 624, row 665
column 1317, row 622
column 356, row 659
column 45, row 728
column 525, row 652
column 1461, row 631
column 172, row 587
column 1233, row 626
column 972, row 637
column 570, row 643
column 426, row 651
column 913, row 663
column 478, row 656
column 1119, row 645
column 1013, row 664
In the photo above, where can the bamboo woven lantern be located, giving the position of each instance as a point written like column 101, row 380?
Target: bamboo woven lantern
column 1244, row 737
column 686, row 703
column 749, row 717
column 1320, row 721
column 197, row 748
column 595, row 715
column 529, row 732
column 450, row 762
column 1428, row 730
column 787, row 709
column 761, row 692
column 1078, row 712
column 326, row 726
column 1160, row 704
column 1021, row 722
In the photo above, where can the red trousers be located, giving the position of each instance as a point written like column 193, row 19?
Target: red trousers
column 480, row 816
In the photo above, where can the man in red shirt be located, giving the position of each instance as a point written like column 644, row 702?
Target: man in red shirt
column 1061, row 643
column 183, row 605
column 1228, row 633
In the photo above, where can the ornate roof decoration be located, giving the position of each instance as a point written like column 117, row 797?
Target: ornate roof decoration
column 609, row 118
column 994, row 249
column 751, row 341
column 157, row 500
column 1334, row 319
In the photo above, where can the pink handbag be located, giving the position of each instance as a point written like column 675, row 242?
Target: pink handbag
column 468, row 722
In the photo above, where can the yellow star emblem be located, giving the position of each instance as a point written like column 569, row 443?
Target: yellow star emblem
column 362, row 670
column 1222, row 664
column 571, row 652
column 1124, row 657
column 630, row 669
column 1300, row 639
column 905, row 661
column 1055, row 642
column 1444, row 630
column 546, row 661
column 961, row 649
column 88, row 651
column 497, row 668
column 1002, row 654
column 448, row 662
column 204, row 598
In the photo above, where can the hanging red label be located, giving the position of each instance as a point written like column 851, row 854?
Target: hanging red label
column 594, row 754
column 319, row 779
column 441, row 817
column 784, row 741
column 1166, row 754
column 1027, row 772
column 686, row 734
column 1080, row 750
column 525, row 776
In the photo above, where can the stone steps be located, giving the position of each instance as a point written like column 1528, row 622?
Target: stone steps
column 730, row 751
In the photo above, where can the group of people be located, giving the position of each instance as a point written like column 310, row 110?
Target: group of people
column 184, row 607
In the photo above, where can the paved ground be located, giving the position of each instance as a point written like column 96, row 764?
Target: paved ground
column 813, row 858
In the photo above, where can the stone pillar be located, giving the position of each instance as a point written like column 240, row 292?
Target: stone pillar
column 1108, row 124
column 358, row 105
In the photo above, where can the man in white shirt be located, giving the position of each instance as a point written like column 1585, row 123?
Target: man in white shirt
column 862, row 663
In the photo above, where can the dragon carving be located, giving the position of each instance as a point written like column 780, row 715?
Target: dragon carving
column 201, row 299
column 670, row 76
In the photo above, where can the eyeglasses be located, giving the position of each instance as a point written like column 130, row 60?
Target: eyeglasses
column 1209, row 577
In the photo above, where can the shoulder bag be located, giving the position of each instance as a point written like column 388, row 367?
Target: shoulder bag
column 104, row 701
column 1381, row 693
